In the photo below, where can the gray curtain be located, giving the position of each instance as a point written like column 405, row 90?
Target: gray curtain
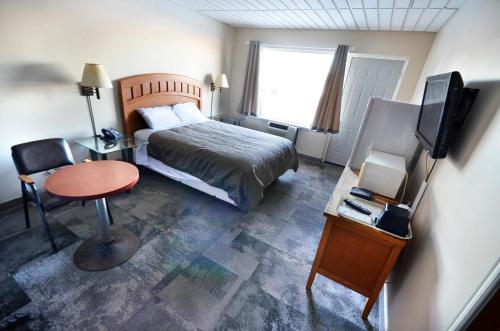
column 250, row 99
column 327, row 118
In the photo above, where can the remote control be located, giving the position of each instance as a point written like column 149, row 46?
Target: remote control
column 362, row 193
column 357, row 207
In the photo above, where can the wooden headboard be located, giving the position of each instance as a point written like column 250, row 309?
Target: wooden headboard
column 154, row 90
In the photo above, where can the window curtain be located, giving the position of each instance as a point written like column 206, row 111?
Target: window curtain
column 327, row 118
column 250, row 99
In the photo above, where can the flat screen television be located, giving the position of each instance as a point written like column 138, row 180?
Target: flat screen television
column 440, row 112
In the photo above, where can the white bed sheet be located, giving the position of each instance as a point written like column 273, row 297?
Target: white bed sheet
column 141, row 157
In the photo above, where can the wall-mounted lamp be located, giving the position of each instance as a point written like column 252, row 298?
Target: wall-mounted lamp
column 94, row 77
column 219, row 84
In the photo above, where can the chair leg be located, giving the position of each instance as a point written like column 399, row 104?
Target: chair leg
column 46, row 226
column 26, row 211
column 41, row 211
column 109, row 213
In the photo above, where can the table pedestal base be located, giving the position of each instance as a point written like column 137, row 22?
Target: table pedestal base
column 94, row 255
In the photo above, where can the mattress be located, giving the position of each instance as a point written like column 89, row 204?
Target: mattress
column 141, row 157
column 241, row 161
column 232, row 163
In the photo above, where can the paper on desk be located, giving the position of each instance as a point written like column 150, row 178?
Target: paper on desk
column 348, row 212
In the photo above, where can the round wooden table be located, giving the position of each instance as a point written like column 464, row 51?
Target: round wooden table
column 95, row 181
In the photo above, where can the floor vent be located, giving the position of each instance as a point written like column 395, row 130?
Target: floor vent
column 278, row 126
column 286, row 131
column 278, row 129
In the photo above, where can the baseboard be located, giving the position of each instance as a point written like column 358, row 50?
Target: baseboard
column 383, row 317
column 10, row 204
column 479, row 299
column 309, row 157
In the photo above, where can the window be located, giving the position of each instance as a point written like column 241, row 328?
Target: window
column 291, row 82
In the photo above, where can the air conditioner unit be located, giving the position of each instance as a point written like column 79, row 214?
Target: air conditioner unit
column 278, row 129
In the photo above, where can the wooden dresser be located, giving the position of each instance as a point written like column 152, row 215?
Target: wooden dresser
column 354, row 254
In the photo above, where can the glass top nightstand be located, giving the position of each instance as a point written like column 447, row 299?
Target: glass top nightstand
column 228, row 119
column 99, row 147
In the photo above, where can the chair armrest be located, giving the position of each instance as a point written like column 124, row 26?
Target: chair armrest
column 87, row 161
column 26, row 179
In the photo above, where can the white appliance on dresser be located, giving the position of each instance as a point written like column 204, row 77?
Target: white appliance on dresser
column 382, row 173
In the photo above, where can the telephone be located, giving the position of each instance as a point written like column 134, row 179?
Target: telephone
column 111, row 134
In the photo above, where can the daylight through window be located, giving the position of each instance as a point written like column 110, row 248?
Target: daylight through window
column 291, row 82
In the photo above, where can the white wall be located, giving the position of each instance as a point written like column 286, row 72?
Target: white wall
column 456, row 227
column 414, row 45
column 45, row 43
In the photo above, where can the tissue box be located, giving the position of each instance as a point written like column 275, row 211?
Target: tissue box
column 382, row 173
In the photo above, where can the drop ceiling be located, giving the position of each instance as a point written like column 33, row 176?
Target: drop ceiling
column 377, row 15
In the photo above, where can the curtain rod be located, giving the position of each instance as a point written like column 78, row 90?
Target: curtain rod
column 310, row 48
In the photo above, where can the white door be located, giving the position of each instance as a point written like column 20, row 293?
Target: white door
column 366, row 77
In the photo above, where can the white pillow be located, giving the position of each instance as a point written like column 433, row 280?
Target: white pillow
column 189, row 113
column 160, row 117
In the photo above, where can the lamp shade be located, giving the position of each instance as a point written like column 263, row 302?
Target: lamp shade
column 221, row 81
column 94, row 75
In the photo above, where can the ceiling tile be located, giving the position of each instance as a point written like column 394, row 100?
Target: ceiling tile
column 355, row 4
column 269, row 4
column 398, row 18
column 289, row 4
column 243, row 5
column 278, row 4
column 272, row 16
column 302, row 4
column 402, row 3
column 438, row 3
column 359, row 17
column 339, row 21
column 325, row 17
column 327, row 4
column 440, row 19
column 297, row 21
column 385, row 16
column 288, row 22
column 372, row 18
column 386, row 3
column 412, row 18
column 314, row 4
column 348, row 19
column 259, row 5
column 420, row 3
column 306, row 19
column 314, row 17
column 370, row 3
column 247, row 18
column 376, row 15
column 224, row 16
column 341, row 4
column 425, row 19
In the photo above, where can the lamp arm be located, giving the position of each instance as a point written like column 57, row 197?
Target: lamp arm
column 91, row 113
column 97, row 93
column 211, row 104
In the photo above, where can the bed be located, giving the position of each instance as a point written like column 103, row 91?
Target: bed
column 231, row 163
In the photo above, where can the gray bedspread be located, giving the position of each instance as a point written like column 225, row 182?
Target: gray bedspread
column 238, row 160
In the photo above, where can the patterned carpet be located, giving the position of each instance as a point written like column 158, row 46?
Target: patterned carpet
column 201, row 263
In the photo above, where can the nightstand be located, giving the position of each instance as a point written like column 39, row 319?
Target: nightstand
column 235, row 120
column 99, row 148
